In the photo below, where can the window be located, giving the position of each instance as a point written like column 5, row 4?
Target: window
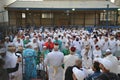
column 23, row 15
column 47, row 15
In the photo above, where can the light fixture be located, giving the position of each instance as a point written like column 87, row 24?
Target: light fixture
column 67, row 12
column 73, row 9
column 104, row 10
column 119, row 9
column 27, row 9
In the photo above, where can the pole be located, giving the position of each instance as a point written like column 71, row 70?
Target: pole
column 107, row 16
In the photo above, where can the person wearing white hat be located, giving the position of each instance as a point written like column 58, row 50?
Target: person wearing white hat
column 58, row 41
column 85, row 41
column 2, row 52
column 34, row 43
column 7, row 41
column 29, row 55
column 97, row 52
column 109, row 56
column 87, row 57
column 104, row 44
column 4, row 73
column 18, row 43
column 26, row 41
column 105, row 66
column 78, row 46
column 11, row 59
column 113, row 44
column 118, row 48
column 40, row 43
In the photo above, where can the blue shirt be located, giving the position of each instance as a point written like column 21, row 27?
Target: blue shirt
column 93, row 76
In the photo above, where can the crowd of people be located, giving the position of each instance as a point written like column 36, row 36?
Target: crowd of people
column 62, row 54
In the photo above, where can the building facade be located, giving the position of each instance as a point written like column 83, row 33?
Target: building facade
column 59, row 13
column 117, row 2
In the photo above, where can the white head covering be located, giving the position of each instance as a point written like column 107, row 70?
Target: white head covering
column 80, row 75
column 108, row 50
column 2, row 50
column 7, row 37
column 106, row 63
column 55, row 35
column 11, row 44
column 44, row 46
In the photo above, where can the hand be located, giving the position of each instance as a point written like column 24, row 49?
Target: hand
column 19, row 59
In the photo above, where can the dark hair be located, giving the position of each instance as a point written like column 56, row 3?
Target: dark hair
column 96, row 66
column 77, row 39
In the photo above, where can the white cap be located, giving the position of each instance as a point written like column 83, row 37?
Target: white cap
column 44, row 46
column 66, row 44
column 2, row 50
column 108, row 50
column 6, row 37
column 106, row 63
column 10, row 44
column 80, row 75
column 27, row 36
column 49, row 37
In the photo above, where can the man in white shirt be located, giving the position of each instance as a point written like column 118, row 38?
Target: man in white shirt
column 69, row 60
column 10, row 60
column 55, row 60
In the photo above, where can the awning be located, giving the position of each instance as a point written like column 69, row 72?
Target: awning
column 62, row 5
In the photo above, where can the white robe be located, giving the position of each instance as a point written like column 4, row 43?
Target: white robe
column 55, row 60
column 104, row 46
column 69, row 60
column 40, row 44
column 114, row 61
column 118, row 48
column 87, row 60
column 97, row 53
column 113, row 46
column 10, row 62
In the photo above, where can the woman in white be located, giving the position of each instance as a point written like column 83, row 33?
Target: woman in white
column 97, row 52
column 112, row 45
column 118, row 48
column 87, row 57
column 104, row 45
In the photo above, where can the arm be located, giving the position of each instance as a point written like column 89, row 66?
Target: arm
column 10, row 70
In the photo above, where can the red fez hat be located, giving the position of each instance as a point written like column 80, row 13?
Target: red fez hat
column 73, row 49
